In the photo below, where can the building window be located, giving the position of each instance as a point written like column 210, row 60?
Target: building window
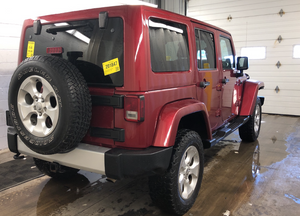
column 296, row 52
column 254, row 52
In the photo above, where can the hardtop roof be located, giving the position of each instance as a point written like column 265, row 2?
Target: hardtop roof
column 93, row 13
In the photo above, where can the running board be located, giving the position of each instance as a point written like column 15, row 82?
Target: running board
column 223, row 132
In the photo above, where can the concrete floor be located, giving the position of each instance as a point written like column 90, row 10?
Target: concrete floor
column 260, row 178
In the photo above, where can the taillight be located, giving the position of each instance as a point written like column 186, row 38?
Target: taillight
column 54, row 50
column 134, row 108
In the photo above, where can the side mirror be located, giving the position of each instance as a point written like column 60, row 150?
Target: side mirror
column 242, row 63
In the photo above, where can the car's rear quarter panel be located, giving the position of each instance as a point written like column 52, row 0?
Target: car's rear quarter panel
column 159, row 88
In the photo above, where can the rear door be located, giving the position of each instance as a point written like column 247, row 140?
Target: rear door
column 208, row 75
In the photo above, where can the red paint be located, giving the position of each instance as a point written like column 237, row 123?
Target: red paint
column 170, row 117
column 169, row 96
column 250, row 91
column 141, row 134
column 26, row 24
column 237, row 96
column 102, row 117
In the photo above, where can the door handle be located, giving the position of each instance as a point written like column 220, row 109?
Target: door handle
column 204, row 84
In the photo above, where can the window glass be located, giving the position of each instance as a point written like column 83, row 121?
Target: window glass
column 87, row 46
column 206, row 57
column 254, row 52
column 168, row 46
column 227, row 54
column 296, row 53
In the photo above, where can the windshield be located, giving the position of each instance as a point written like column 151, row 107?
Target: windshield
column 97, row 53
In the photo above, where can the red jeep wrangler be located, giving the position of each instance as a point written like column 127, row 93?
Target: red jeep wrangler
column 128, row 91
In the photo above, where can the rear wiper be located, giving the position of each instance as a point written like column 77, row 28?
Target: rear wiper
column 55, row 29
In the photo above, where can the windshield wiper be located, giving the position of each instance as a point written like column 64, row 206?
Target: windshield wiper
column 55, row 29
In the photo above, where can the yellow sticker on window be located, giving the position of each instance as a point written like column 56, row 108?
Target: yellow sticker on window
column 30, row 49
column 206, row 65
column 111, row 66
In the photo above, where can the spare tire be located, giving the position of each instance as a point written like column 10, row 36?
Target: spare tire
column 50, row 104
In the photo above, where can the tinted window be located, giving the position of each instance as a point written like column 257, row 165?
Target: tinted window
column 206, row 57
column 87, row 47
column 227, row 53
column 168, row 46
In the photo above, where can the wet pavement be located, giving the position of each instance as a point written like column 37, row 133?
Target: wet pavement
column 260, row 178
column 16, row 172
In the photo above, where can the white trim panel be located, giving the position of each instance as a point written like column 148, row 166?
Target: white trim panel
column 86, row 157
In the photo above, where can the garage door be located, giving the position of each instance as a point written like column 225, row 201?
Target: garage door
column 269, row 32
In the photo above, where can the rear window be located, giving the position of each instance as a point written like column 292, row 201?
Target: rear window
column 97, row 53
column 168, row 46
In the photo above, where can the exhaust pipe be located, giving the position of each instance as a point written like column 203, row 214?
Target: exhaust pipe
column 111, row 180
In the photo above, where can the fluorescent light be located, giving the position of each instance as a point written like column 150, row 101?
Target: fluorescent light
column 74, row 32
column 78, row 35
column 161, row 25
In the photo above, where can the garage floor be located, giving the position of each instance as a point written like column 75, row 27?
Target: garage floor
column 261, row 178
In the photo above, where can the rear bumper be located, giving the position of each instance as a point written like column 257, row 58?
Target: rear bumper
column 121, row 163
column 114, row 163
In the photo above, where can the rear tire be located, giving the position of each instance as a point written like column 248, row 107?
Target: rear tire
column 249, row 132
column 64, row 173
column 177, row 190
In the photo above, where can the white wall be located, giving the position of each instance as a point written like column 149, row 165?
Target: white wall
column 258, row 23
column 12, row 14
column 9, row 45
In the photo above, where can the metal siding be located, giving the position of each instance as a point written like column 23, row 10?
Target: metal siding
column 258, row 23
column 176, row 6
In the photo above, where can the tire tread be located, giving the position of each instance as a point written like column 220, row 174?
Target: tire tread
column 246, row 131
column 164, row 188
column 80, row 106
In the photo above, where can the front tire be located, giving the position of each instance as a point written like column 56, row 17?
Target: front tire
column 178, row 189
column 249, row 132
